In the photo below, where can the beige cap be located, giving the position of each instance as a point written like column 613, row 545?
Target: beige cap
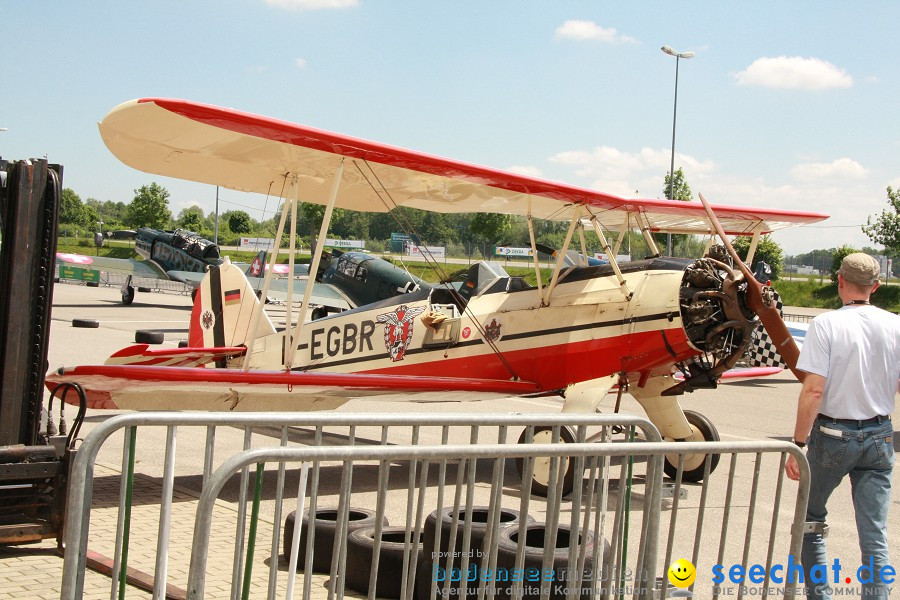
column 860, row 268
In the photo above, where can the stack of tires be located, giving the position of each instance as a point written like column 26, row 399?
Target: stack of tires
column 459, row 571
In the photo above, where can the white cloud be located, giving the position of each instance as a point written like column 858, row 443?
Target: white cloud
column 842, row 168
column 312, row 4
column 618, row 172
column 588, row 30
column 300, row 62
column 794, row 72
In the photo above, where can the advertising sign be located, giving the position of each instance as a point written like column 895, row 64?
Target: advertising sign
column 257, row 243
column 354, row 244
column 509, row 251
column 434, row 251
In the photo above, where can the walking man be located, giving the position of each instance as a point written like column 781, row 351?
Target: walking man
column 852, row 360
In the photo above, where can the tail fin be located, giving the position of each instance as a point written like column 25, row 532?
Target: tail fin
column 258, row 266
column 223, row 310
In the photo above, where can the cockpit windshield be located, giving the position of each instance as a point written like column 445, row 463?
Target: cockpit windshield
column 481, row 276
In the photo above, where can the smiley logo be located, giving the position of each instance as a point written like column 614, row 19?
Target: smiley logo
column 682, row 573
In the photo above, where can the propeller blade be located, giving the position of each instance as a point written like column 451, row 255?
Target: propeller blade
column 761, row 303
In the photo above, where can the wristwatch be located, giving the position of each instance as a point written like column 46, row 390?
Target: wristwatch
column 799, row 444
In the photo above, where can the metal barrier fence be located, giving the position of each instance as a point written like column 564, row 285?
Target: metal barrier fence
column 464, row 478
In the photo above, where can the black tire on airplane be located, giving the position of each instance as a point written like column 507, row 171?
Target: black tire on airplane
column 323, row 531
column 128, row 296
column 182, row 343
column 539, row 483
column 149, row 336
column 86, row 323
column 389, row 577
column 694, row 473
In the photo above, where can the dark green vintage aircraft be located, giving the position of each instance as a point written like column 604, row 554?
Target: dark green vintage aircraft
column 347, row 280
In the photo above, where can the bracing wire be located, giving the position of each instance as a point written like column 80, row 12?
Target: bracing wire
column 408, row 229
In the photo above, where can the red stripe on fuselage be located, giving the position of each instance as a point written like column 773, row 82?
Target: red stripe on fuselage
column 554, row 367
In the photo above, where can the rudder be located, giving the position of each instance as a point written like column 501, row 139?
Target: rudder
column 223, row 310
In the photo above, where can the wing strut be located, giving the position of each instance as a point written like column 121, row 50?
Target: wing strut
column 267, row 280
column 317, row 258
column 561, row 254
column 534, row 253
column 612, row 259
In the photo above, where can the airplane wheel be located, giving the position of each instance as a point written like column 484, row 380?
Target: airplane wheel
column 541, row 476
column 128, row 296
column 694, row 464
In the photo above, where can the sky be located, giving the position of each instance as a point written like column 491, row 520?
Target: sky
column 792, row 105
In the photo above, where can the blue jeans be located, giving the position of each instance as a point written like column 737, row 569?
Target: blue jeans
column 866, row 453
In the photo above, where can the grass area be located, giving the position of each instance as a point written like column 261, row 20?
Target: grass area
column 811, row 294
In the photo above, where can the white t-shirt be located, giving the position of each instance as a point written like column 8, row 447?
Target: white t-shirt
column 857, row 350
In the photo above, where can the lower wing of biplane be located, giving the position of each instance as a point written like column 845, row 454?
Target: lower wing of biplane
column 598, row 326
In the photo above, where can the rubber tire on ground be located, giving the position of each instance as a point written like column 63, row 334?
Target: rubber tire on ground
column 534, row 559
column 710, row 434
column 92, row 283
column 324, row 528
column 86, row 323
column 182, row 343
column 389, row 580
column 128, row 296
column 479, row 518
column 149, row 336
column 567, row 436
column 145, row 289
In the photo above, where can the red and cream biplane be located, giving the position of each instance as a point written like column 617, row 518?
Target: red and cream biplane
column 659, row 326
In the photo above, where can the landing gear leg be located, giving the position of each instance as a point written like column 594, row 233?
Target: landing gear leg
column 580, row 398
column 677, row 424
column 127, row 292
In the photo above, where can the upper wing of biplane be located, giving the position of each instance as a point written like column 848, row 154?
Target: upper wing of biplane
column 242, row 151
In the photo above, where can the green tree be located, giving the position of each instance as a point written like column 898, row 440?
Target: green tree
column 837, row 257
column 150, row 207
column 239, row 222
column 680, row 188
column 71, row 210
column 191, row 218
column 489, row 229
column 885, row 230
column 766, row 250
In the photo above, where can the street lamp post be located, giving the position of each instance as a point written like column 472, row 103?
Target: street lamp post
column 678, row 56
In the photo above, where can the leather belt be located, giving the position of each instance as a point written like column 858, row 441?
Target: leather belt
column 857, row 422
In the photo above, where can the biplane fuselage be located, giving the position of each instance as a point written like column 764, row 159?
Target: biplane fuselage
column 589, row 329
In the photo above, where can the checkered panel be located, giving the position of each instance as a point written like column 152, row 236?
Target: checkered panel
column 762, row 352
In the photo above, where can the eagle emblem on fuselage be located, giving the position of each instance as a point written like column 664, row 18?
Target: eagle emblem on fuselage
column 398, row 329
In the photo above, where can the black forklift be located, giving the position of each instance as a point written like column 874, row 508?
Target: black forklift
column 35, row 451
